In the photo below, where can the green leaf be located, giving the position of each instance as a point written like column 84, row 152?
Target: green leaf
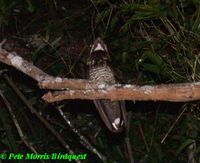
column 30, row 6
column 154, row 58
column 151, row 68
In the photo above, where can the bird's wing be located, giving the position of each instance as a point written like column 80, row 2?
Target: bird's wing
column 112, row 113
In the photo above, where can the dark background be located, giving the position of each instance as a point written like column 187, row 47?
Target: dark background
column 150, row 42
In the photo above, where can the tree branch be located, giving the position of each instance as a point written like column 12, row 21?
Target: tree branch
column 86, row 89
column 171, row 92
column 45, row 81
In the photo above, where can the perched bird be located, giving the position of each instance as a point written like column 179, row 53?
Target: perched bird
column 112, row 112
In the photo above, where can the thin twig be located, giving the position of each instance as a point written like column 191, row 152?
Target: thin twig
column 98, row 12
column 44, row 121
column 143, row 138
column 84, row 140
column 17, row 125
column 3, row 42
column 172, row 126
column 154, row 128
column 127, row 139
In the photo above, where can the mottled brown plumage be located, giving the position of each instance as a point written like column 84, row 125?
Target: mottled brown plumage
column 112, row 112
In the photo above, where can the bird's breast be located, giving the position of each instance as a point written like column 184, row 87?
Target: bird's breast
column 102, row 75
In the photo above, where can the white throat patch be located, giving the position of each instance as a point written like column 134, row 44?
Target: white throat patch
column 99, row 47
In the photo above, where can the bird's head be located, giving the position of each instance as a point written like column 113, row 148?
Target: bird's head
column 98, row 53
